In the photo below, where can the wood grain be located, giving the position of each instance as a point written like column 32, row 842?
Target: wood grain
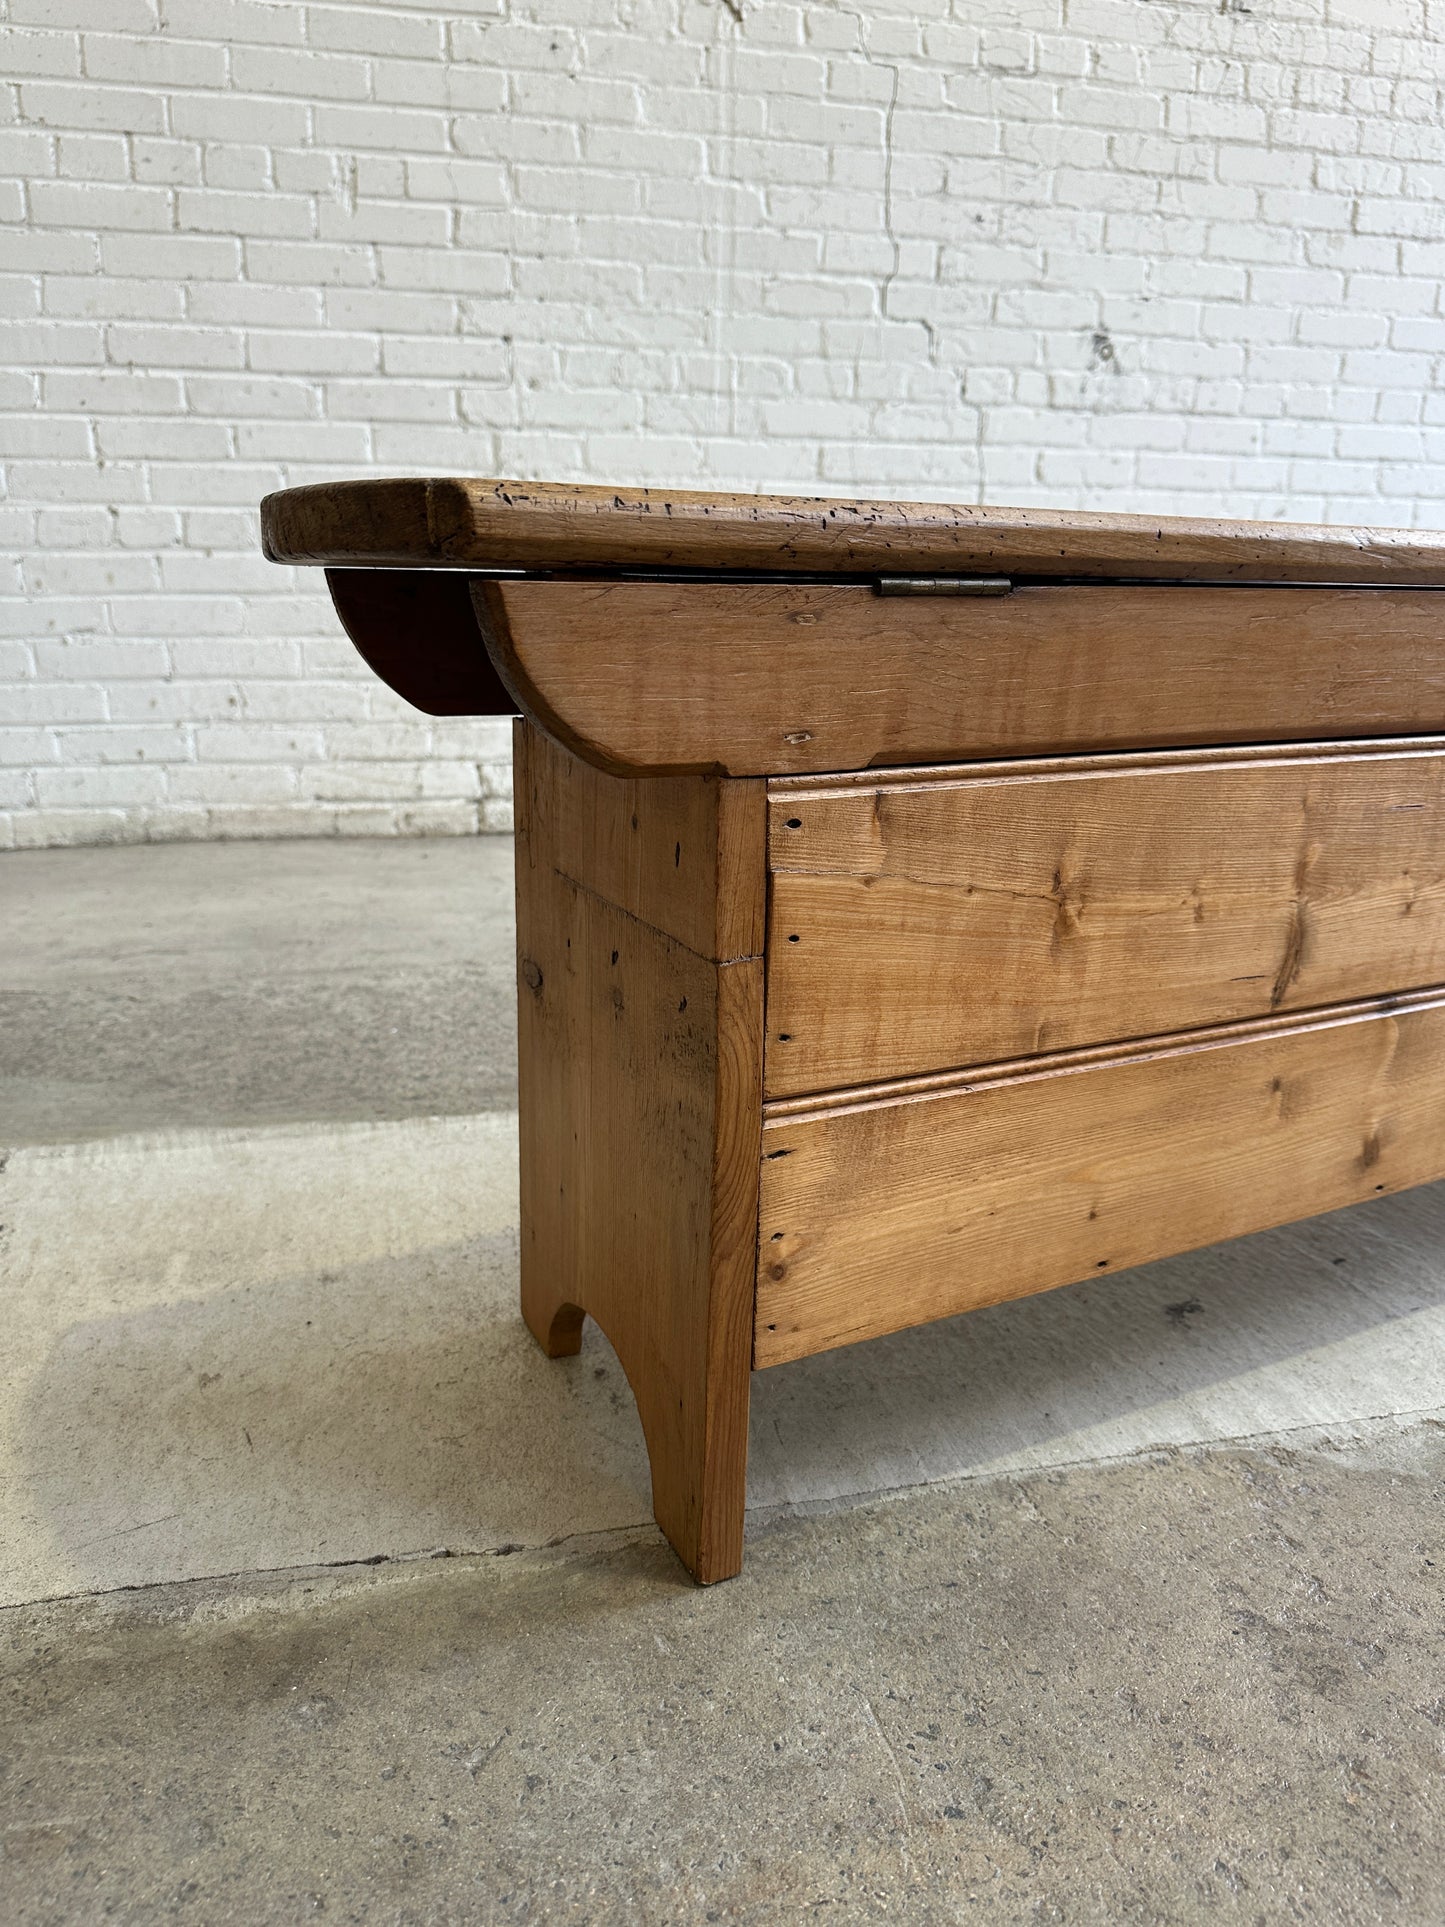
column 676, row 852
column 886, row 1213
column 640, row 1098
column 476, row 523
column 1012, row 908
column 773, row 680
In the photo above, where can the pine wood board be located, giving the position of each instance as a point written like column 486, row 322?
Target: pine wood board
column 640, row 1107
column 1008, row 909
column 884, row 1212
column 764, row 679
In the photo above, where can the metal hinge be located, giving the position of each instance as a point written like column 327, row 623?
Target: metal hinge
column 942, row 585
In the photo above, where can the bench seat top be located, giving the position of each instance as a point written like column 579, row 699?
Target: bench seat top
column 481, row 525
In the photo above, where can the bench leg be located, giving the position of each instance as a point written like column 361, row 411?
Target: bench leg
column 641, row 1116
column 694, row 1413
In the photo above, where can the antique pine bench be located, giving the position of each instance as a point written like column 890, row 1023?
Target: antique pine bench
column 919, row 907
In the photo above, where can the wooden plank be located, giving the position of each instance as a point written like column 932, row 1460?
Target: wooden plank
column 640, row 1096
column 681, row 853
column 776, row 680
column 886, row 1213
column 475, row 523
column 1012, row 908
column 417, row 630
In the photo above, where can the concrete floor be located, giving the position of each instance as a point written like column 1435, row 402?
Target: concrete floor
column 324, row 1595
column 254, row 983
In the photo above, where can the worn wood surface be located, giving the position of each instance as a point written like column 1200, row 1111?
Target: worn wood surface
column 1022, row 907
column 477, row 523
column 640, row 1058
column 790, row 679
column 878, row 1214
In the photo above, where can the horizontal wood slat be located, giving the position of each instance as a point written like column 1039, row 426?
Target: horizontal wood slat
column 877, row 1215
column 1013, row 908
column 773, row 680
column 463, row 521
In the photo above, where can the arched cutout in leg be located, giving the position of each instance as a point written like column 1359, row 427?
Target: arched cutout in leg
column 557, row 1330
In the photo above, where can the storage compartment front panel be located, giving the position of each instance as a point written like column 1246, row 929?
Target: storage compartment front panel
column 890, row 1213
column 920, row 925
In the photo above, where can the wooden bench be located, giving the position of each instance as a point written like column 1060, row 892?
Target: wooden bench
column 919, row 907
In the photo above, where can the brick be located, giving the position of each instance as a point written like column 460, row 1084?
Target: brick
column 271, row 23
column 93, row 157
column 50, row 704
column 311, row 76
column 91, row 787
column 165, row 700
column 444, row 358
column 132, row 16
column 352, row 29
column 45, row 435
column 311, row 264
column 154, row 60
column 235, row 783
column 392, row 309
column 253, row 742
column 124, row 746
column 411, row 224
column 99, row 204
column 125, row 110
column 141, row 347
column 250, row 397
column 458, row 271
column 467, row 183
column 111, row 391
column 246, row 169
column 162, row 440
column 19, row 297
column 210, row 211
column 315, row 352
column 229, row 482
column 212, row 615
column 381, row 127
column 259, row 307
column 113, row 297
column 22, row 748
column 309, row 441
column 230, row 116
column 49, row 53
column 391, row 400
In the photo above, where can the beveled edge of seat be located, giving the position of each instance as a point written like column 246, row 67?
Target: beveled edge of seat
column 465, row 523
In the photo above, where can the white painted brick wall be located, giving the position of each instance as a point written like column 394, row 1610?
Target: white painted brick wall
column 1161, row 254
